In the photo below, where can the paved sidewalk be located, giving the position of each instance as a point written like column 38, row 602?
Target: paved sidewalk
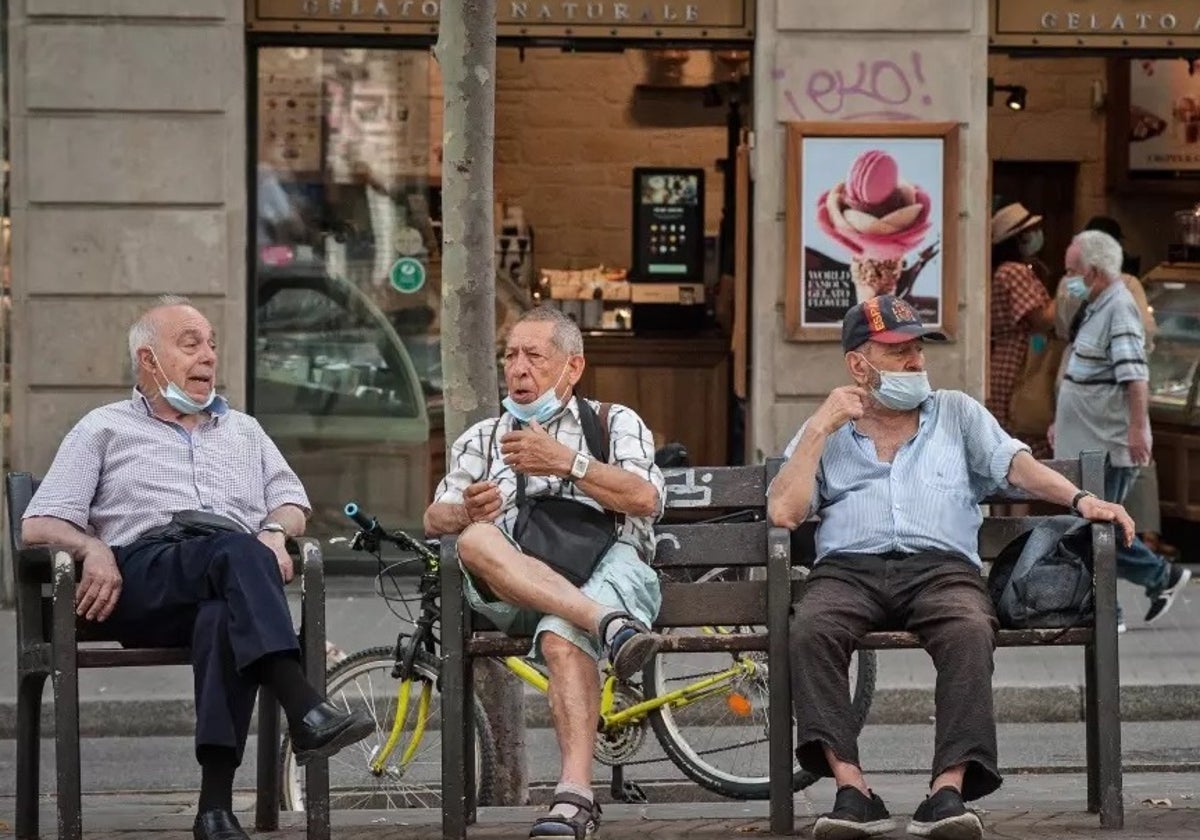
column 1160, row 673
column 1162, row 806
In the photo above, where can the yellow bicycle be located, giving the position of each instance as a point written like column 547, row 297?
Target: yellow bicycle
column 709, row 712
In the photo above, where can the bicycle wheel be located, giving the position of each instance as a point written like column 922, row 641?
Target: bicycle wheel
column 720, row 739
column 364, row 681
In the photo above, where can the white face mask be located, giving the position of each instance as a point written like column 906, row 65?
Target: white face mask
column 177, row 398
column 901, row 391
column 541, row 409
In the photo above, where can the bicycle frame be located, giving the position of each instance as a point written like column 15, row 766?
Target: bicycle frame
column 701, row 689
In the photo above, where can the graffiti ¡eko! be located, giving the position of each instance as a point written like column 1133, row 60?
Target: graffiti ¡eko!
column 863, row 90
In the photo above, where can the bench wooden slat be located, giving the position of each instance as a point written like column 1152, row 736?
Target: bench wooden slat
column 716, row 603
column 116, row 657
column 716, row 487
column 995, row 533
column 712, row 545
column 494, row 644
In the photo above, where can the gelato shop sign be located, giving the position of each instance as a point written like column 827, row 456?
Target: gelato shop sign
column 1129, row 24
column 698, row 19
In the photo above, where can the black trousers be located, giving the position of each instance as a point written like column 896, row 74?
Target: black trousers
column 943, row 600
column 222, row 596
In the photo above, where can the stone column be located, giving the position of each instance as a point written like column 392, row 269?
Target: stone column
column 940, row 48
column 128, row 181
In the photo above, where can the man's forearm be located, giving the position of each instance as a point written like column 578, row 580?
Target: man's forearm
column 615, row 488
column 49, row 530
column 792, row 492
column 442, row 518
column 1138, row 394
column 291, row 517
column 1039, row 481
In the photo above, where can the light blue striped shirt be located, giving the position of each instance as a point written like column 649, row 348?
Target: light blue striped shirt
column 927, row 498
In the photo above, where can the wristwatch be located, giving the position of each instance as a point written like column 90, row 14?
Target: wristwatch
column 1079, row 497
column 272, row 526
column 579, row 466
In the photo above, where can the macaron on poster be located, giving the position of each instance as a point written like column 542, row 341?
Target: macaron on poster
column 871, row 211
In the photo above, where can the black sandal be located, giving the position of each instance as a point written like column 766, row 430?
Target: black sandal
column 582, row 826
column 632, row 647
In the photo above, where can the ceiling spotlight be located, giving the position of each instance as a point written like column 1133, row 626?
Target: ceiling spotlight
column 1016, row 95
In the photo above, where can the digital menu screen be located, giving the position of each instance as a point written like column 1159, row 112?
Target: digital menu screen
column 668, row 225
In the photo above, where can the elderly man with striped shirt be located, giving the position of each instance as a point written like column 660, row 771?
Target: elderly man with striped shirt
column 896, row 472
column 1104, row 400
column 540, row 442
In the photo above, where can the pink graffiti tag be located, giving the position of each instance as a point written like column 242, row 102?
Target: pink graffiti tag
column 877, row 90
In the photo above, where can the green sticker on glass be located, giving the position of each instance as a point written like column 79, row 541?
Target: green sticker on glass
column 407, row 275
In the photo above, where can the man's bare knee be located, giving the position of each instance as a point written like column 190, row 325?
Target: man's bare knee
column 477, row 547
column 560, row 653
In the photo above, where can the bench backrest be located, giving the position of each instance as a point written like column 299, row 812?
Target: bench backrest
column 20, row 489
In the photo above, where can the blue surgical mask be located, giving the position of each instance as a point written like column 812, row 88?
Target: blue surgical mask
column 901, row 391
column 1031, row 243
column 541, row 409
column 1076, row 287
column 178, row 399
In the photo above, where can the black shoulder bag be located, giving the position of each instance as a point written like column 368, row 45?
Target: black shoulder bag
column 568, row 536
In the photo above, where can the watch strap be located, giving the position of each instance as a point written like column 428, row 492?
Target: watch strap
column 1079, row 497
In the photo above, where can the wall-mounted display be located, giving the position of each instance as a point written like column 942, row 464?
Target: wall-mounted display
column 668, row 224
column 868, row 209
column 1164, row 117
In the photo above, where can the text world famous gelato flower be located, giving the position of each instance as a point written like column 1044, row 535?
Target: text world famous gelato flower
column 878, row 218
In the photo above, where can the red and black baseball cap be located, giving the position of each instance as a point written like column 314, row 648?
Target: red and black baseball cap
column 886, row 319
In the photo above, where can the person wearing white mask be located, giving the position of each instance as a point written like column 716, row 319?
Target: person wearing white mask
column 543, row 450
column 1020, row 307
column 110, row 497
column 895, row 471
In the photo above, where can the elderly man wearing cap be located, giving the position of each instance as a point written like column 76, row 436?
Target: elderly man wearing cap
column 895, row 472
column 1020, row 306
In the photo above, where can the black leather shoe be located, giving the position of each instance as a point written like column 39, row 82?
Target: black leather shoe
column 326, row 729
column 218, row 824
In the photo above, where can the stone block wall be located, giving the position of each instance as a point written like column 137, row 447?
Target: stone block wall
column 129, row 181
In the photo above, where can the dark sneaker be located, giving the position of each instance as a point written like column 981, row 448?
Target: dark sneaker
column 943, row 816
column 1161, row 602
column 854, row 815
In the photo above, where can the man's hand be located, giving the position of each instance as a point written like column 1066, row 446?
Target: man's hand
column 1141, row 444
column 100, row 587
column 482, row 501
column 533, row 451
column 277, row 542
column 841, row 406
column 1098, row 510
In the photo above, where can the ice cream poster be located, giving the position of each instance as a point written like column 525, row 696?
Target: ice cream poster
column 866, row 217
column 1164, row 116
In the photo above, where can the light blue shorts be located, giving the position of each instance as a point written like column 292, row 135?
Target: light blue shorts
column 621, row 580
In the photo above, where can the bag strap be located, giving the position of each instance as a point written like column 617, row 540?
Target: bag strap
column 595, row 428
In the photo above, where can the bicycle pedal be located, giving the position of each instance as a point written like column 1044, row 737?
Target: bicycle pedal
column 632, row 794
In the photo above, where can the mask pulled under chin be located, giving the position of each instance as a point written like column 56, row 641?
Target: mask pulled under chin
column 542, row 409
column 181, row 402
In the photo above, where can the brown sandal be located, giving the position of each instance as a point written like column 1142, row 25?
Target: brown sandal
column 582, row 826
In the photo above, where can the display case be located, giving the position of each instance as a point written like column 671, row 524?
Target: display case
column 1173, row 290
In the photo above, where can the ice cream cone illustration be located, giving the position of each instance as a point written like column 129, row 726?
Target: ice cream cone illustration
column 878, row 217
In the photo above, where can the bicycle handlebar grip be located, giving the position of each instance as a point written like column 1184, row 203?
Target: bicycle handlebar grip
column 363, row 521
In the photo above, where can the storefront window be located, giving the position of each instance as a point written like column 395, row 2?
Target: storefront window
column 346, row 355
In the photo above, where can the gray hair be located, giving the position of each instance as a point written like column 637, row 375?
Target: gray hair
column 567, row 336
column 1100, row 251
column 144, row 332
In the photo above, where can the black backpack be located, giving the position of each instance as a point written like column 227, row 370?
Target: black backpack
column 1043, row 578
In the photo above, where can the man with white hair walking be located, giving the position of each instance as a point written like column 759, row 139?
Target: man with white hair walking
column 1103, row 402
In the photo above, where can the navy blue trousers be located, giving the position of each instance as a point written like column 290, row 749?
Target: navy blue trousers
column 222, row 596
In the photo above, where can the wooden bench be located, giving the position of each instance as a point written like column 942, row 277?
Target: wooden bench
column 52, row 641
column 709, row 491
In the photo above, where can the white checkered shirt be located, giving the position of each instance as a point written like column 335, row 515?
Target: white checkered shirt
column 632, row 449
column 121, row 471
